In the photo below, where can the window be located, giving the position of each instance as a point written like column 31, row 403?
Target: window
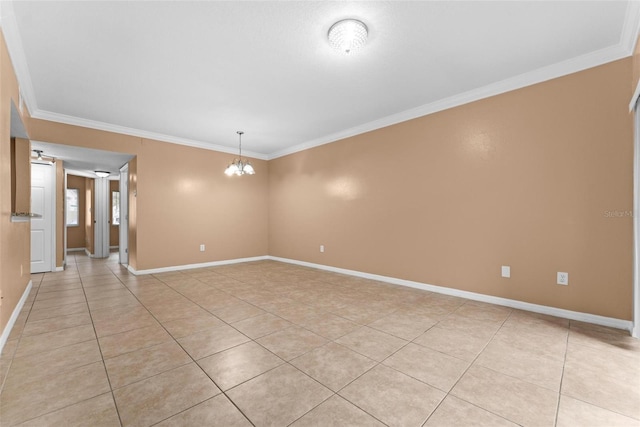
column 115, row 208
column 72, row 207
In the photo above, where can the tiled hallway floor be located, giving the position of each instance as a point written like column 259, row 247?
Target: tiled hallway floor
column 268, row 343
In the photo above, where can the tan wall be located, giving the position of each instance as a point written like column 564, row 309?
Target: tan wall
column 114, row 230
column 76, row 234
column 89, row 209
column 21, row 175
column 15, row 244
column 183, row 199
column 521, row 179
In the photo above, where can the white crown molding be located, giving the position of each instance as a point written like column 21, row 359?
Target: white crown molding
column 107, row 127
column 624, row 48
column 521, row 305
column 540, row 75
column 631, row 27
column 16, row 53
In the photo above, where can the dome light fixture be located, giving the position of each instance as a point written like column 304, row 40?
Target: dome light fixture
column 348, row 35
column 239, row 166
column 102, row 174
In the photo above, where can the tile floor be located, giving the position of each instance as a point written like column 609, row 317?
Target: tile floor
column 268, row 343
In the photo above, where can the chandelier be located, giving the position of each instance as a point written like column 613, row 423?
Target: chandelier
column 239, row 166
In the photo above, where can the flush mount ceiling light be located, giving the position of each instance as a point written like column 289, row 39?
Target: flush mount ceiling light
column 239, row 166
column 348, row 35
column 102, row 174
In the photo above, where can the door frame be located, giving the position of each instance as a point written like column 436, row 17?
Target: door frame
column 101, row 218
column 124, row 215
column 635, row 332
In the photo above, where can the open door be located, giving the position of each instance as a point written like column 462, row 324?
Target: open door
column 43, row 224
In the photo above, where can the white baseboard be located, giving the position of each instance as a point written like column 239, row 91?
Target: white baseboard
column 114, row 247
column 14, row 316
column 59, row 269
column 86, row 251
column 192, row 266
column 76, row 249
column 543, row 309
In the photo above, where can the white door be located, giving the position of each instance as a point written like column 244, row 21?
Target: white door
column 42, row 193
column 124, row 215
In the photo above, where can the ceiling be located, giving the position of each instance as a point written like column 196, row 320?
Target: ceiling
column 194, row 73
column 83, row 161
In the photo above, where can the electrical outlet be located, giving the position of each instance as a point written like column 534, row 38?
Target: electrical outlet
column 506, row 271
column 563, row 278
column 321, row 248
column 201, row 248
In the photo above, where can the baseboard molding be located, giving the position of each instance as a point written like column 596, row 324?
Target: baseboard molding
column 192, row 266
column 521, row 305
column 59, row 269
column 14, row 316
column 114, row 247
column 76, row 249
column 86, row 251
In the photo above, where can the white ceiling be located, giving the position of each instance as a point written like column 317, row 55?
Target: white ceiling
column 195, row 72
column 83, row 161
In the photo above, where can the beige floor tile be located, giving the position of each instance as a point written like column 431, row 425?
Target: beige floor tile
column 63, row 310
column 26, row 401
column 372, row 343
column 57, row 302
column 330, row 326
column 125, row 342
column 237, row 311
column 159, row 397
column 215, row 412
column 403, row 325
column 478, row 327
column 572, row 412
column 119, row 301
column 259, row 326
column 52, row 340
column 603, row 338
column 555, row 344
column 621, row 364
column 337, row 412
column 98, row 411
column 55, row 323
column 525, row 364
column 211, row 341
column 516, row 400
column 434, row 368
column 62, row 359
column 291, row 342
column 278, row 397
column 144, row 363
column 483, row 311
column 190, row 325
column 333, row 365
column 116, row 291
column 123, row 322
column 599, row 388
column 61, row 294
column 457, row 343
column 239, row 364
column 456, row 412
column 393, row 397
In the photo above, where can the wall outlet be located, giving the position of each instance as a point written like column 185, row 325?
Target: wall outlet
column 201, row 248
column 563, row 278
column 321, row 248
column 506, row 271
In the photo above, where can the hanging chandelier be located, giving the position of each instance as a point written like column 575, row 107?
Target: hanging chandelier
column 239, row 166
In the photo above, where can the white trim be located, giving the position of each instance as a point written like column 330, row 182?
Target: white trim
column 200, row 265
column 630, row 27
column 14, row 316
column 550, row 72
column 636, row 224
column 59, row 269
column 86, row 251
column 543, row 309
column 113, row 247
column 108, row 127
column 634, row 98
column 76, row 249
